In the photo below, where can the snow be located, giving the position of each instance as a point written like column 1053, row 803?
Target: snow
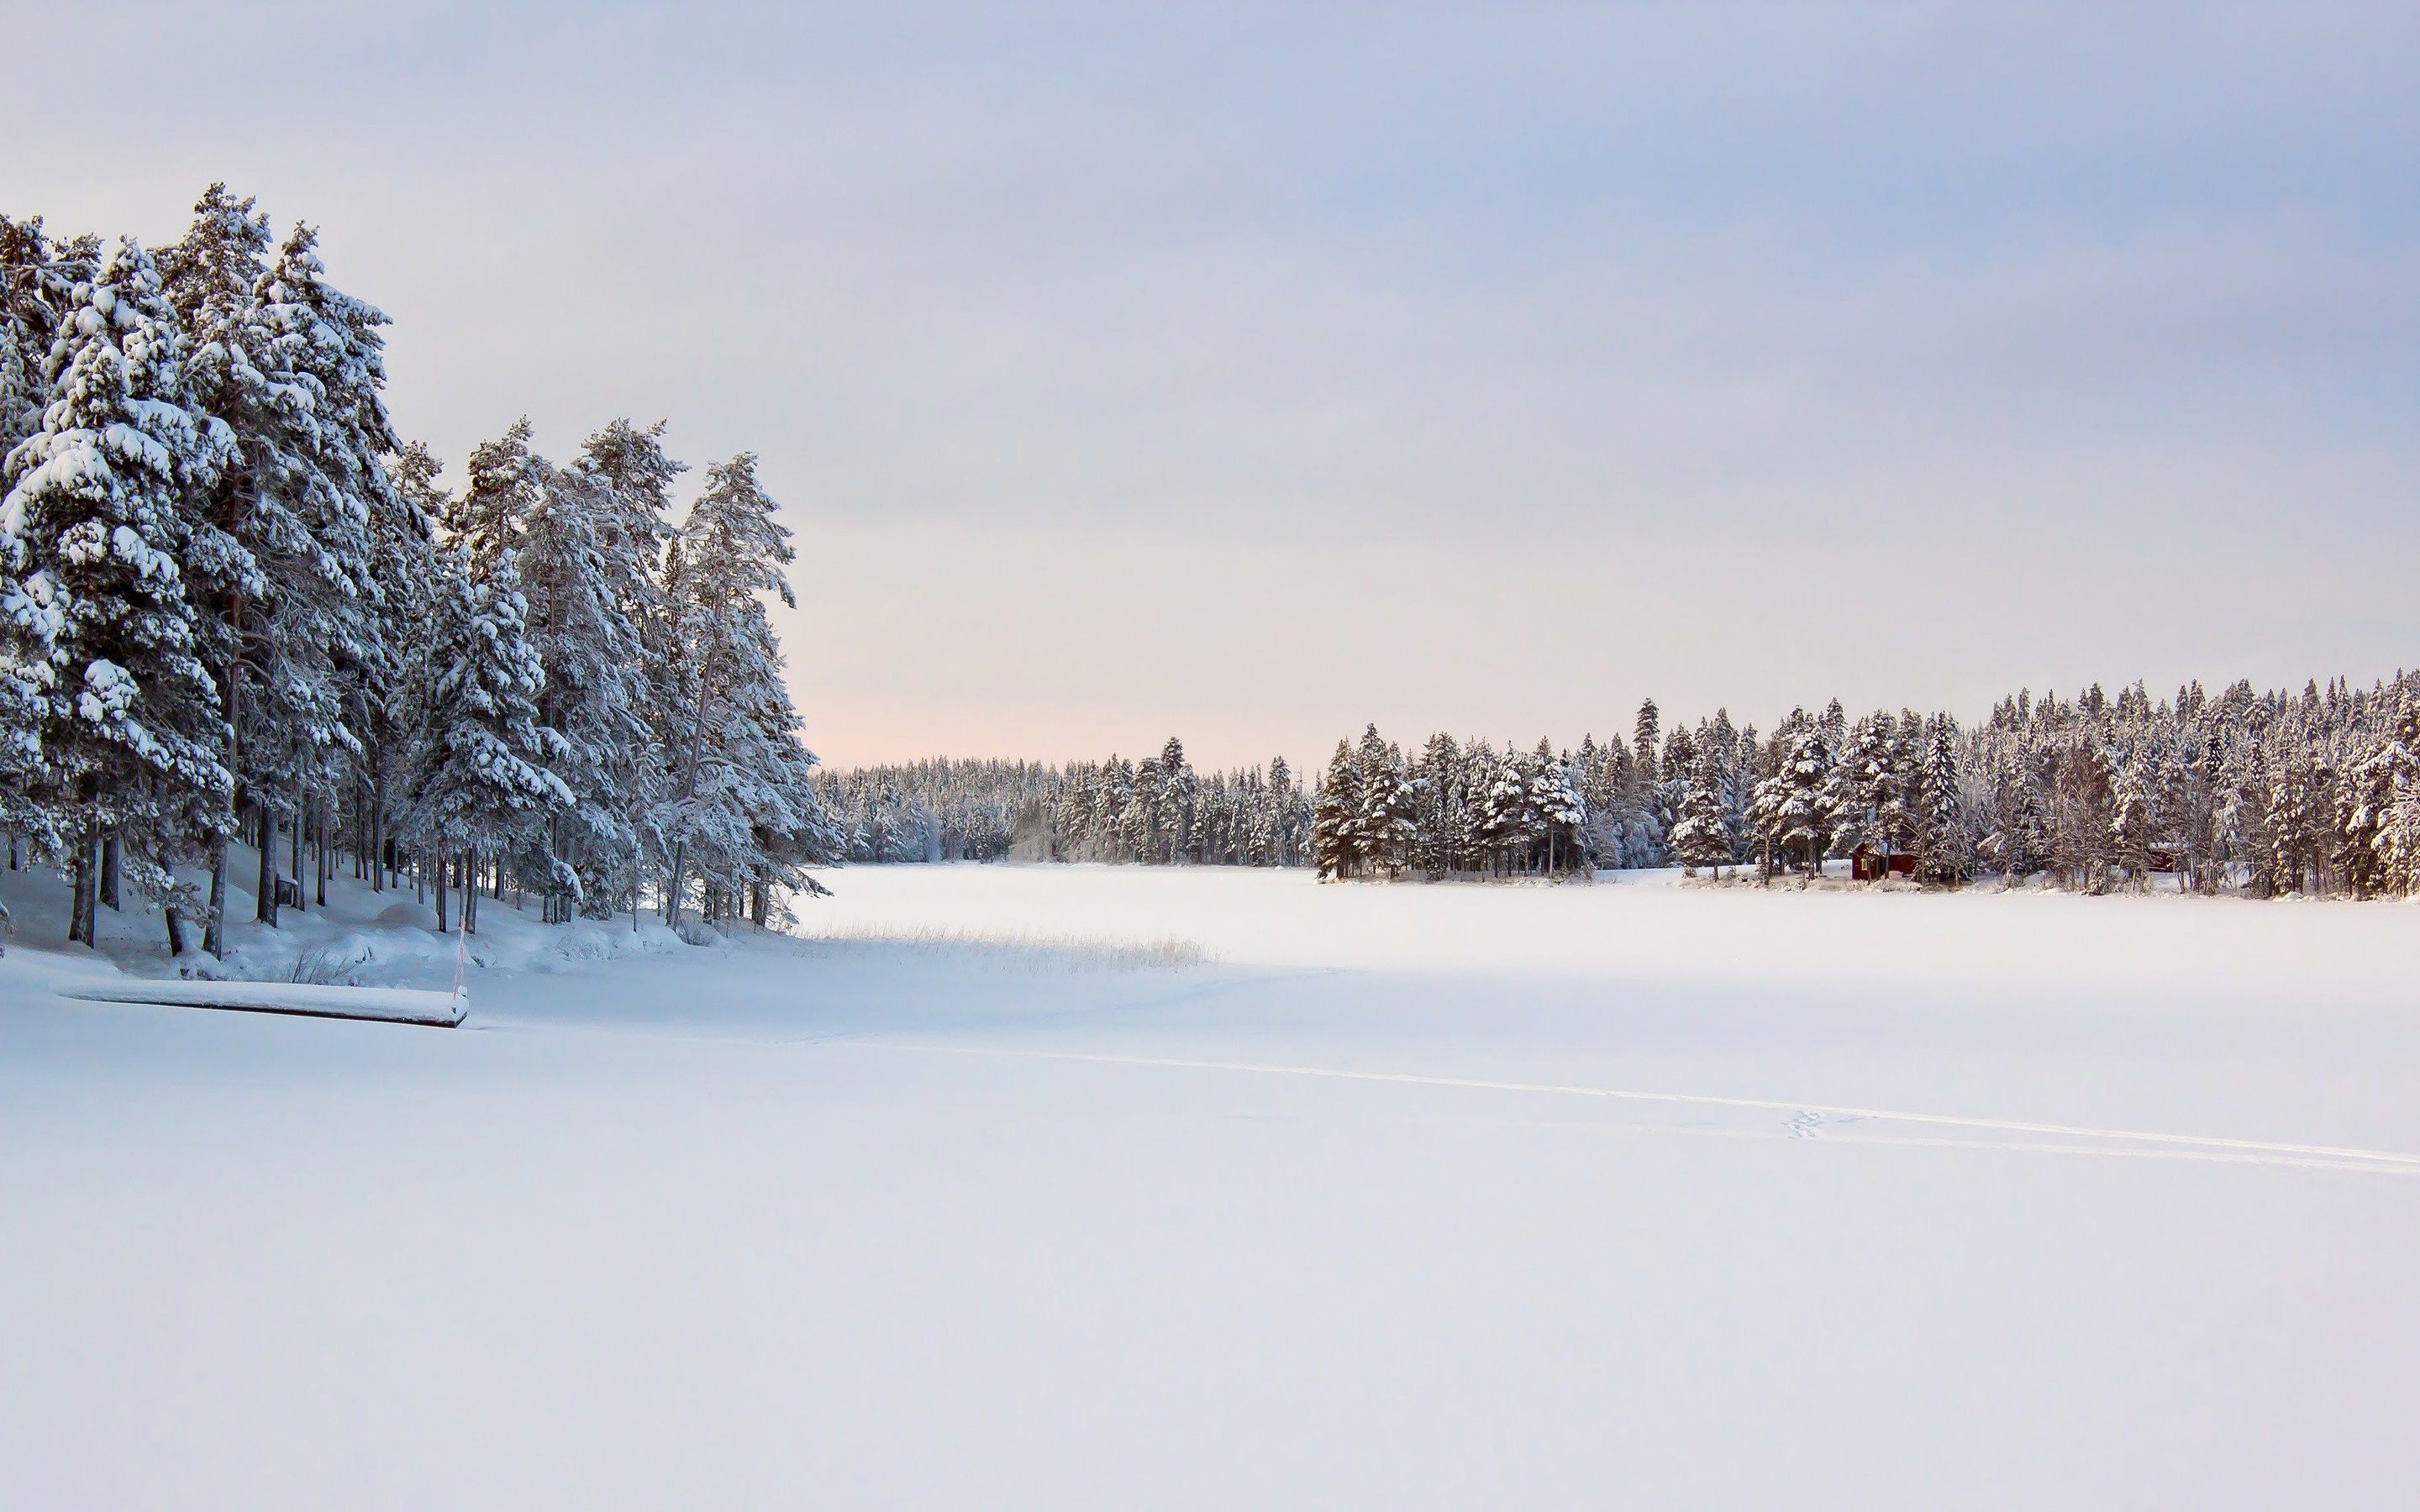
column 1636, row 1194
column 391, row 1004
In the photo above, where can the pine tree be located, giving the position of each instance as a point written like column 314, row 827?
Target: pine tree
column 1385, row 827
column 389, row 695
column 1943, row 849
column 493, row 513
column 2131, row 816
column 1173, row 803
column 26, row 322
column 28, row 621
column 284, row 552
column 2385, row 780
column 632, row 537
column 1803, row 818
column 483, row 787
column 1700, row 837
column 741, row 809
column 589, row 653
column 1507, row 818
column 97, row 514
column 1563, row 817
column 1335, row 848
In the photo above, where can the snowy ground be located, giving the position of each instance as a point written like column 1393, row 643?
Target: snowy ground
column 1084, row 1188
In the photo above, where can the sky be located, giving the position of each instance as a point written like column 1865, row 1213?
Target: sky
column 1250, row 373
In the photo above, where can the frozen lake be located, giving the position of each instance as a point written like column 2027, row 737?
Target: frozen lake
column 1127, row 1188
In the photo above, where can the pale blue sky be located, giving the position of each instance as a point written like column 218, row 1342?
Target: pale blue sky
column 1254, row 371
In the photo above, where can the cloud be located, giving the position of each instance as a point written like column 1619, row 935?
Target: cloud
column 1232, row 368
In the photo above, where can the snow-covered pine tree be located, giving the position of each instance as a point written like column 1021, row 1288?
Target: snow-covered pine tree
column 359, row 523
column 482, row 787
column 1766, row 817
column 209, row 278
column 2287, row 795
column 1282, row 845
column 1507, row 818
column 27, row 624
column 26, row 319
column 2397, row 841
column 285, row 549
column 1441, row 807
column 1386, row 827
column 632, row 539
column 2129, row 815
column 594, row 692
column 97, row 503
column 1180, row 790
column 1805, row 815
column 1864, row 791
column 742, row 817
column 1651, row 817
column 392, row 691
column 1944, row 849
column 1335, row 819
column 1701, row 835
column 1554, row 798
column 493, row 511
column 2386, row 777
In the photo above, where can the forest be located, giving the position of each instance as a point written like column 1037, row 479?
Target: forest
column 2261, row 795
column 1155, row 811
column 2265, row 795
column 238, row 608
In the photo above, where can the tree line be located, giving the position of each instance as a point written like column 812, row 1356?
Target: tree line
column 2263, row 795
column 237, row 606
column 1158, row 811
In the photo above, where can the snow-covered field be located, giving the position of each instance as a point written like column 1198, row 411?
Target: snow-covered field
column 1121, row 1188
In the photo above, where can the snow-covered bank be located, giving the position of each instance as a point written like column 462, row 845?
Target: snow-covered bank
column 1410, row 1196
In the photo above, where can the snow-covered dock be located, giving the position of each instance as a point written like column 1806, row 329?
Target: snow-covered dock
column 389, row 1005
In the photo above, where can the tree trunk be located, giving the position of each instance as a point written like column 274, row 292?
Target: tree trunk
column 295, row 850
column 672, row 888
column 264, row 907
column 109, row 867
column 214, row 928
column 215, row 923
column 176, row 935
column 469, row 892
column 79, row 880
column 441, row 894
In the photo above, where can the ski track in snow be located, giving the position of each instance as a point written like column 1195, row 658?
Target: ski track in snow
column 1803, row 1121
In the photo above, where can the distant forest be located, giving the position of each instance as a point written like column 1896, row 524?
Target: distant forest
column 1158, row 811
column 2261, row 795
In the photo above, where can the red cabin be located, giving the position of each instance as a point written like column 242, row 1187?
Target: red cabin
column 1867, row 864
